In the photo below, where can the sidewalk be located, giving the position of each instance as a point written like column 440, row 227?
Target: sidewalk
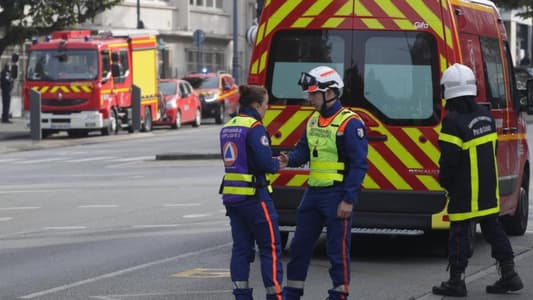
column 476, row 282
column 16, row 130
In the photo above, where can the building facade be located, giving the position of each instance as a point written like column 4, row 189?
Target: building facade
column 519, row 31
column 177, row 20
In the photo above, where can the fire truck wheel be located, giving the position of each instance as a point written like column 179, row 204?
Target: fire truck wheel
column 220, row 114
column 112, row 126
column 147, row 124
column 284, row 238
column 177, row 123
column 516, row 225
column 46, row 133
column 198, row 118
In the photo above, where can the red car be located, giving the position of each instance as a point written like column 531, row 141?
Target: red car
column 180, row 104
column 218, row 93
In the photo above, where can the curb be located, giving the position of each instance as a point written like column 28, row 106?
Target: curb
column 187, row 156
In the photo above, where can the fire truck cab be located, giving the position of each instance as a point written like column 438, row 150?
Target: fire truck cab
column 86, row 80
column 391, row 55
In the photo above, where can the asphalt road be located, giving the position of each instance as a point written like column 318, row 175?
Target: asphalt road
column 105, row 220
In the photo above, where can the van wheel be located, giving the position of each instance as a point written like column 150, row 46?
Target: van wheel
column 517, row 224
column 284, row 238
column 177, row 123
column 220, row 114
column 147, row 124
column 197, row 119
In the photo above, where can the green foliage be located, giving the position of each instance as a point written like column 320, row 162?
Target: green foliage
column 23, row 19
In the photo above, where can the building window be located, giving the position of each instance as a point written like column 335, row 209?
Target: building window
column 207, row 3
column 212, row 60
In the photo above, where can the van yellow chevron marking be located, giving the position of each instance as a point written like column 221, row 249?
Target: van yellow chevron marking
column 346, row 9
column 332, row 22
column 429, row 182
column 385, row 168
column 297, row 180
column 271, row 115
column 369, row 183
column 317, row 8
column 281, row 14
column 262, row 62
column 361, row 10
column 373, row 24
column 290, row 125
column 390, row 9
column 302, row 22
column 431, row 151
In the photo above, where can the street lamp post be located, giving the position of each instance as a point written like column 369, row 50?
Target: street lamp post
column 140, row 24
column 235, row 43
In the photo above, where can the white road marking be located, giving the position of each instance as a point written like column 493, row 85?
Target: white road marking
column 22, row 191
column 196, row 216
column 19, row 208
column 8, row 160
column 98, row 206
column 65, row 227
column 123, row 296
column 4, row 219
column 124, row 271
column 156, row 226
column 27, row 162
column 136, row 158
column 181, row 204
column 90, row 159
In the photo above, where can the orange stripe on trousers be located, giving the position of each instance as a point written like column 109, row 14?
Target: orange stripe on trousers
column 344, row 260
column 274, row 255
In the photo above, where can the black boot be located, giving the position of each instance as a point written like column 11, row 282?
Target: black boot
column 454, row 287
column 510, row 281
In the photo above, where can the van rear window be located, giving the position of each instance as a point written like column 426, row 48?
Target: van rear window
column 392, row 74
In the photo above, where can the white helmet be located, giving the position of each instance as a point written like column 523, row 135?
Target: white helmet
column 320, row 79
column 457, row 81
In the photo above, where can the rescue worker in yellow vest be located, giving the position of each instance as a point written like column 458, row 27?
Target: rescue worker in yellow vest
column 247, row 156
column 468, row 173
column 336, row 147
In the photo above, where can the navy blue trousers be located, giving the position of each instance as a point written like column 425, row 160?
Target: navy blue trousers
column 256, row 222
column 458, row 242
column 319, row 208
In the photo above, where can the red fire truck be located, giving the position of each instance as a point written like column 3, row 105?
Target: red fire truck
column 86, row 80
column 391, row 55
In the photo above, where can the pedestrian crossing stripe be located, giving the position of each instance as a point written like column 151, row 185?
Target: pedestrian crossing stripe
column 230, row 153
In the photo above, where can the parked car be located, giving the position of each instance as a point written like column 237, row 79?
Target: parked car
column 179, row 104
column 218, row 93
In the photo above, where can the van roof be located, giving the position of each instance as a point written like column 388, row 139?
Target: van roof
column 486, row 3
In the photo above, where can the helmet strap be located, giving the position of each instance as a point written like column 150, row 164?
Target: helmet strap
column 326, row 101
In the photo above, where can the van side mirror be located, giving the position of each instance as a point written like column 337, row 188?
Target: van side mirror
column 529, row 98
